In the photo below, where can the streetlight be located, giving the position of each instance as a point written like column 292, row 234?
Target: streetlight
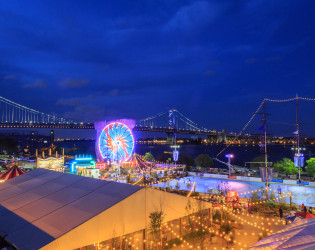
column 229, row 156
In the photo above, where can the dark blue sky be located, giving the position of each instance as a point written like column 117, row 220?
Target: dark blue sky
column 213, row 60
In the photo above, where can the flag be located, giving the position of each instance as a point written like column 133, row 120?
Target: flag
column 296, row 132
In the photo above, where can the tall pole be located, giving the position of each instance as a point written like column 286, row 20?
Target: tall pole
column 175, row 147
column 297, row 135
column 266, row 160
column 229, row 165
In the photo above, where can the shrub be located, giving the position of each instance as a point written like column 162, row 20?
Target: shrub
column 226, row 227
column 173, row 242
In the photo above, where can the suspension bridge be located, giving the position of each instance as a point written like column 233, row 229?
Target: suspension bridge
column 14, row 115
column 170, row 121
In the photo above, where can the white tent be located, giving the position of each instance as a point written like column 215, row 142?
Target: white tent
column 44, row 209
column 298, row 235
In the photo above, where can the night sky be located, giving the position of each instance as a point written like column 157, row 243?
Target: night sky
column 213, row 60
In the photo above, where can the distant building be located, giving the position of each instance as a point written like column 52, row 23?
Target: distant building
column 29, row 141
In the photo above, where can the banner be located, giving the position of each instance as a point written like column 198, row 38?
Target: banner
column 277, row 180
column 175, row 155
column 263, row 174
column 299, row 160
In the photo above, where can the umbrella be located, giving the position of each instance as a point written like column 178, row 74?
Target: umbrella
column 305, row 215
column 12, row 172
column 297, row 235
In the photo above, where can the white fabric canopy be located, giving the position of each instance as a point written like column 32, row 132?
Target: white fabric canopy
column 298, row 235
column 44, row 209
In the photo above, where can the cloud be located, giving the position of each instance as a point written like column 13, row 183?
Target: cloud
column 103, row 68
column 210, row 73
column 36, row 84
column 10, row 77
column 74, row 83
column 69, row 102
column 189, row 17
column 213, row 63
column 114, row 92
column 251, row 60
column 275, row 58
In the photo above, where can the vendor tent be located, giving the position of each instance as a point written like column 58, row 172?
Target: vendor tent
column 11, row 172
column 297, row 235
column 305, row 215
column 44, row 209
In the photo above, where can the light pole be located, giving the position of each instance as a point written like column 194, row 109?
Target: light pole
column 229, row 156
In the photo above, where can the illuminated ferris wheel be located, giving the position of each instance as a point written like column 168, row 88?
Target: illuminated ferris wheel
column 116, row 142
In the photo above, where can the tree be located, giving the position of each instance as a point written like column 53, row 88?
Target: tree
column 184, row 158
column 310, row 167
column 286, row 166
column 204, row 161
column 148, row 157
column 163, row 157
column 8, row 144
column 129, row 180
column 156, row 219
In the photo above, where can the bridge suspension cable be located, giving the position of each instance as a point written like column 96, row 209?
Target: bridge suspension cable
column 290, row 99
column 252, row 117
column 242, row 130
column 189, row 122
column 12, row 112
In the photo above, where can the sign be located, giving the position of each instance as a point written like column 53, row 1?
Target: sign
column 303, row 183
column 101, row 165
column 277, row 180
column 232, row 177
column 243, row 178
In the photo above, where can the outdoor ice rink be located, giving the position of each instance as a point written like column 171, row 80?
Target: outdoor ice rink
column 300, row 194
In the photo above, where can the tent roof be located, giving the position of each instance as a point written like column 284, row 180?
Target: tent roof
column 12, row 172
column 297, row 235
column 42, row 205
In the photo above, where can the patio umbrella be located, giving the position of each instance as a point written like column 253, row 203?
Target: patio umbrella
column 297, row 235
column 12, row 172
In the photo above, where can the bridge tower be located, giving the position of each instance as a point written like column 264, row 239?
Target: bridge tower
column 171, row 123
column 171, row 118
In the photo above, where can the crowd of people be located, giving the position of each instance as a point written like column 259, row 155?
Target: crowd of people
column 310, row 209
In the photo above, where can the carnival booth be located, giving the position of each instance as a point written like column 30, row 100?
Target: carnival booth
column 11, row 173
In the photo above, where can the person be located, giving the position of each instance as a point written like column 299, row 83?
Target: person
column 249, row 206
column 302, row 207
column 281, row 212
column 305, row 209
column 279, row 190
